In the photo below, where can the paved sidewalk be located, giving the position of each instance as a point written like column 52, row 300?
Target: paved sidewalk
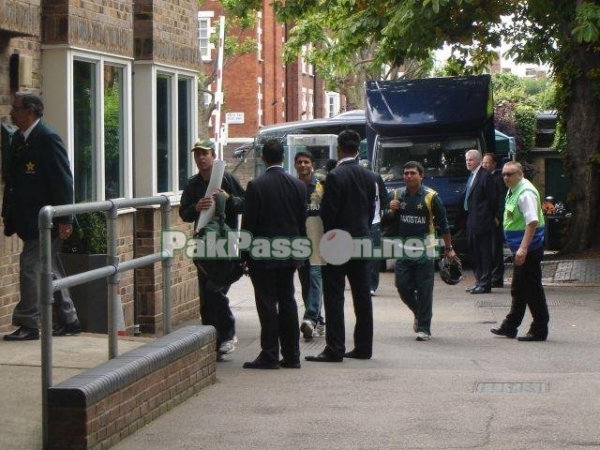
column 463, row 389
column 580, row 272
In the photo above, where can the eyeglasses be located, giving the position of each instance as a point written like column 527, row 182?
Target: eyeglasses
column 508, row 174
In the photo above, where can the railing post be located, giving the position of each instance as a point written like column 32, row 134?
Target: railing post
column 113, row 282
column 111, row 272
column 167, row 264
column 46, row 299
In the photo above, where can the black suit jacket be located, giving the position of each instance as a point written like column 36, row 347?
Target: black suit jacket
column 275, row 206
column 482, row 204
column 349, row 199
column 501, row 189
column 38, row 174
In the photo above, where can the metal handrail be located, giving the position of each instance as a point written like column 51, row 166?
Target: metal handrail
column 111, row 271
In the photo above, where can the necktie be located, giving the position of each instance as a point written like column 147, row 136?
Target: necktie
column 469, row 183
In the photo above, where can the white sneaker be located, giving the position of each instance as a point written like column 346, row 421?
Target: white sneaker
column 422, row 336
column 227, row 346
column 372, row 293
column 307, row 329
column 319, row 330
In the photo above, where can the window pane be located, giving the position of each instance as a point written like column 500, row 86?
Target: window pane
column 84, row 88
column 113, row 132
column 204, row 38
column 183, row 139
column 163, row 116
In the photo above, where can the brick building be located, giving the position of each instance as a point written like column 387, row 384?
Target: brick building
column 118, row 79
column 258, row 88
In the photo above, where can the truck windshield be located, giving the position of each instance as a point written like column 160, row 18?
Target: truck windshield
column 444, row 157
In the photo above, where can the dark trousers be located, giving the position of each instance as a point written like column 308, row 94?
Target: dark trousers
column 278, row 313
column 333, row 295
column 527, row 291
column 375, row 264
column 214, row 309
column 414, row 281
column 480, row 251
column 498, row 256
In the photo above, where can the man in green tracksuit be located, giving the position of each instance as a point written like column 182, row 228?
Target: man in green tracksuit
column 417, row 209
column 524, row 232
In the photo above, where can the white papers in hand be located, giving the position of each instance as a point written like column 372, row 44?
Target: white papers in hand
column 216, row 178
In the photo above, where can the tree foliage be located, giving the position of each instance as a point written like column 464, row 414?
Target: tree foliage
column 387, row 33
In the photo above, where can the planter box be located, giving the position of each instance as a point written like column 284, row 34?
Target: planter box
column 90, row 299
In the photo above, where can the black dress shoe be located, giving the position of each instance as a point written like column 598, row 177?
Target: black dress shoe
column 511, row 334
column 68, row 329
column 23, row 334
column 470, row 288
column 356, row 355
column 258, row 364
column 324, row 356
column 289, row 364
column 481, row 290
column 531, row 338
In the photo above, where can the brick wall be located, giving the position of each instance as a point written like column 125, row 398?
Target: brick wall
column 125, row 250
column 167, row 32
column 184, row 292
column 241, row 96
column 104, row 26
column 272, row 70
column 21, row 18
column 100, row 407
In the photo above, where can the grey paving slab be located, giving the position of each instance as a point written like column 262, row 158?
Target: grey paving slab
column 464, row 389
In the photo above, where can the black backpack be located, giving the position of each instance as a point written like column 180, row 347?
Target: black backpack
column 221, row 272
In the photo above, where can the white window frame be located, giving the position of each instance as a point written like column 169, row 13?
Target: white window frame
column 145, row 104
column 259, row 37
column 57, row 75
column 205, row 50
column 332, row 100
column 311, row 104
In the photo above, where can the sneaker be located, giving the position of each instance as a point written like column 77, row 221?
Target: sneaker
column 227, row 346
column 422, row 336
column 372, row 292
column 307, row 329
column 319, row 330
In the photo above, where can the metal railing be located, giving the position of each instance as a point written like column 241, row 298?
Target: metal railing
column 111, row 271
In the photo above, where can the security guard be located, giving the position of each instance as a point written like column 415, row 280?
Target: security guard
column 524, row 231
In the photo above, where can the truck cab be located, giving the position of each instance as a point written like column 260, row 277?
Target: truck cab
column 433, row 121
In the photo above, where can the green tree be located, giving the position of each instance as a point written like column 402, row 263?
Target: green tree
column 563, row 33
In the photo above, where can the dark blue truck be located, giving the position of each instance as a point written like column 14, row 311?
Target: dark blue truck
column 433, row 121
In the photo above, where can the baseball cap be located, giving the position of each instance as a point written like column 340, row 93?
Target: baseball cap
column 206, row 144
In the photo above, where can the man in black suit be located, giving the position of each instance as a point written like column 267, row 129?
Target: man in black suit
column 480, row 205
column 348, row 204
column 275, row 209
column 38, row 174
column 490, row 164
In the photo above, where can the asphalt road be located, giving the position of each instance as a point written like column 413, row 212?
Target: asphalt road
column 463, row 389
